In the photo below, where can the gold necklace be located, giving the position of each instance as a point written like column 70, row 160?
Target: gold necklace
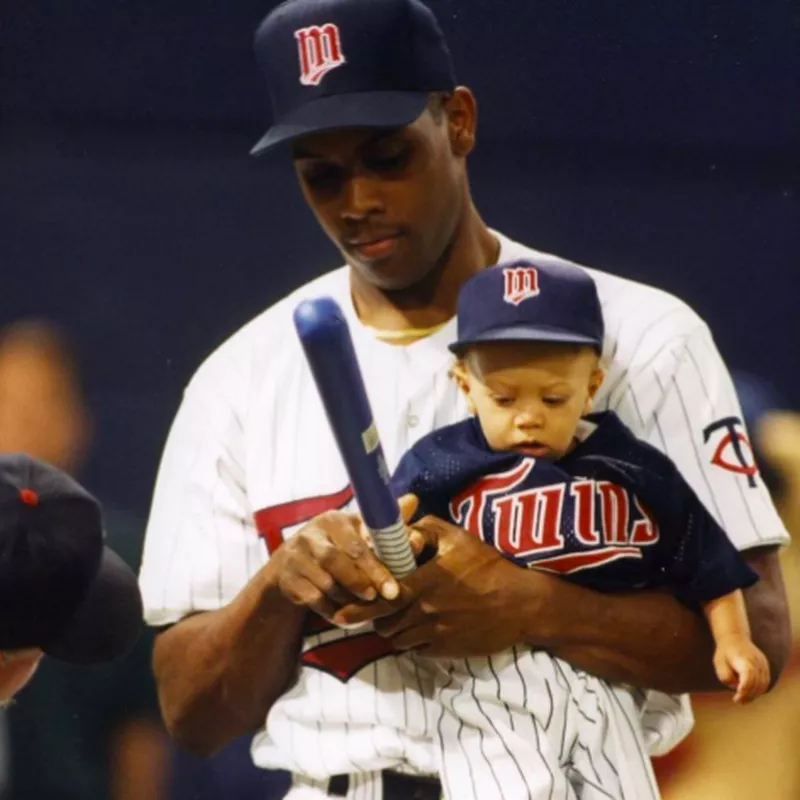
column 408, row 333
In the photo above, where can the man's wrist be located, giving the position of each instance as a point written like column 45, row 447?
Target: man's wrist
column 271, row 599
column 530, row 603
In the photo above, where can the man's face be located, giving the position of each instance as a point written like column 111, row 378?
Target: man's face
column 389, row 200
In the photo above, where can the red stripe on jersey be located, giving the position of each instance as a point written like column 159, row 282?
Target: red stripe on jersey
column 271, row 522
column 345, row 657
column 575, row 562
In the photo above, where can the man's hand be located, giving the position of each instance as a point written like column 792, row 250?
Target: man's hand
column 466, row 601
column 327, row 565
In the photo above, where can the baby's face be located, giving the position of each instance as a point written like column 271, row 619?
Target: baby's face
column 529, row 397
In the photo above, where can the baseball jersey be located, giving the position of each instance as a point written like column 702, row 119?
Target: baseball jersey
column 612, row 515
column 250, row 458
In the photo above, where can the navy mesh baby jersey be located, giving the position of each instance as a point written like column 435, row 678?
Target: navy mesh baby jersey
column 613, row 515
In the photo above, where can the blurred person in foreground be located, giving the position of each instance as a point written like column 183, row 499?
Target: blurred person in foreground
column 63, row 592
column 717, row 762
column 75, row 734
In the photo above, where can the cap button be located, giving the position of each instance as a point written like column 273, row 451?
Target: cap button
column 29, row 497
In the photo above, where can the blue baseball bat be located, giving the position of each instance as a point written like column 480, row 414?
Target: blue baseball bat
column 329, row 351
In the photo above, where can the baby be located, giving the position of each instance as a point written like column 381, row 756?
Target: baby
column 552, row 486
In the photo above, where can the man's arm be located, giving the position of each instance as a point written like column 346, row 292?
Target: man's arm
column 653, row 641
column 470, row 601
column 677, row 394
column 219, row 672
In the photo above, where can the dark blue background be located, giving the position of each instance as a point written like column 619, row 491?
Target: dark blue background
column 659, row 140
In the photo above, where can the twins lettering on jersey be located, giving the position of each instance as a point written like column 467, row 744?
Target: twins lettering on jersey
column 595, row 522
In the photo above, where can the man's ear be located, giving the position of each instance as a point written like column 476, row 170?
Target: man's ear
column 461, row 110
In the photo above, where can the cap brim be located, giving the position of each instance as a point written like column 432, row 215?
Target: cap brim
column 108, row 621
column 345, row 111
column 524, row 333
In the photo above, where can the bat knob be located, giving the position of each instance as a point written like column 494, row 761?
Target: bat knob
column 318, row 318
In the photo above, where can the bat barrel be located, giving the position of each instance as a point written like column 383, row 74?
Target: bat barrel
column 331, row 356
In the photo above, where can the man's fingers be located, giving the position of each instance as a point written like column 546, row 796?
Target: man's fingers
column 417, row 541
column 356, row 613
column 413, row 638
column 349, row 561
column 391, row 625
column 303, row 592
column 325, row 583
column 431, row 531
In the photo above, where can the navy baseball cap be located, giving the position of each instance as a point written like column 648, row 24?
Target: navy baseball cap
column 524, row 301
column 336, row 64
column 61, row 589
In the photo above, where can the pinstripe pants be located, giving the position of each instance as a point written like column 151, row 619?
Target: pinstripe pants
column 525, row 726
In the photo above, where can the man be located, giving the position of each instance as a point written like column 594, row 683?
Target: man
column 365, row 92
column 102, row 724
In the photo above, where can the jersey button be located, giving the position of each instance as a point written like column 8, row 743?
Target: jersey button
column 412, row 420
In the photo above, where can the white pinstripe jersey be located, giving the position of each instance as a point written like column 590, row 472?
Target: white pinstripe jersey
column 250, row 452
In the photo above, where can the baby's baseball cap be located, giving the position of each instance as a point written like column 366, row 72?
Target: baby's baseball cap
column 338, row 64
column 525, row 301
column 61, row 589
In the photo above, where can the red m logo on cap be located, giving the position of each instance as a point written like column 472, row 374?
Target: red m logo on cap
column 520, row 284
column 320, row 51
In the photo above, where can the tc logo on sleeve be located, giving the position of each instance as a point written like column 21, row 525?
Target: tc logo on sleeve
column 734, row 451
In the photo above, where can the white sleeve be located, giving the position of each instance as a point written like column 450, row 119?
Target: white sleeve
column 681, row 399
column 201, row 546
column 678, row 396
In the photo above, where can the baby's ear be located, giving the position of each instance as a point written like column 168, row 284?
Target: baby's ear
column 596, row 380
column 458, row 372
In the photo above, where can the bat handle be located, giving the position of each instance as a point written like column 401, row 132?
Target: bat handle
column 394, row 549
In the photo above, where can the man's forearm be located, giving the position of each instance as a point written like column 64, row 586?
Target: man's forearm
column 219, row 672
column 647, row 639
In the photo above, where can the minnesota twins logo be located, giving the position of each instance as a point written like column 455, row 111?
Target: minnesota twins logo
column 605, row 522
column 521, row 283
column 734, row 439
column 320, row 49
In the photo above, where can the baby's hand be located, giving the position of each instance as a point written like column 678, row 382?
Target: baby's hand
column 740, row 665
column 408, row 507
